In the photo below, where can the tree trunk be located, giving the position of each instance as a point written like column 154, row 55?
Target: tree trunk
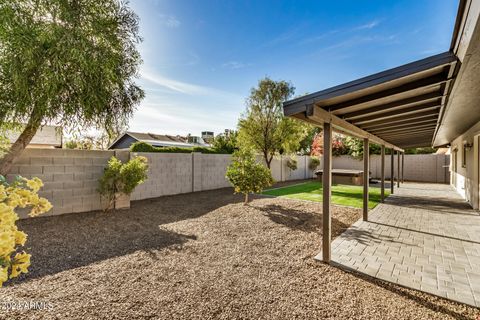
column 246, row 199
column 23, row 140
column 267, row 160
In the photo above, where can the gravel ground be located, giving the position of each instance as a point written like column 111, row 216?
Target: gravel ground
column 204, row 256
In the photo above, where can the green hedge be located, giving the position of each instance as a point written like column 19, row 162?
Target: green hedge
column 145, row 147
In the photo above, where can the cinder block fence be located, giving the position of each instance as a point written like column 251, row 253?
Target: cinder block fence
column 71, row 176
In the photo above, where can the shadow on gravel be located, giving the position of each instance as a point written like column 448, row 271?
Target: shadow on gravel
column 64, row 242
column 300, row 219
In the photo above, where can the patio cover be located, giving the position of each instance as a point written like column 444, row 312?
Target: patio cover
column 398, row 108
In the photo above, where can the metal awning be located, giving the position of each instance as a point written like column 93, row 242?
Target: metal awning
column 399, row 107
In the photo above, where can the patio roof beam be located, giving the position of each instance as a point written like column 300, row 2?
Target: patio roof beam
column 400, row 124
column 319, row 116
column 420, row 137
column 433, row 97
column 404, row 126
column 399, row 118
column 424, row 132
column 406, row 139
column 419, row 145
column 409, row 143
column 396, row 113
column 411, row 87
column 407, row 129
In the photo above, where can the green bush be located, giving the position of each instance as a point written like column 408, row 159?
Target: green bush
column 314, row 163
column 246, row 175
column 121, row 178
column 292, row 164
column 145, row 147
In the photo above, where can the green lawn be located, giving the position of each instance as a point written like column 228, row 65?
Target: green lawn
column 341, row 194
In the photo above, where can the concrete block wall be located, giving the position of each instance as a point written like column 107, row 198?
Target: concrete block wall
column 280, row 171
column 174, row 173
column 418, row 167
column 213, row 169
column 168, row 173
column 70, row 177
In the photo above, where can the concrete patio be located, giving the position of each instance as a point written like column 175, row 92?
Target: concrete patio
column 425, row 237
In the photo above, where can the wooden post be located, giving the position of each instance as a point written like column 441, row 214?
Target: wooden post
column 327, row 192
column 392, row 171
column 366, row 176
column 403, row 166
column 398, row 169
column 382, row 174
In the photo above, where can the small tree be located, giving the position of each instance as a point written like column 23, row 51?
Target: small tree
column 122, row 178
column 246, row 175
column 72, row 63
column 263, row 127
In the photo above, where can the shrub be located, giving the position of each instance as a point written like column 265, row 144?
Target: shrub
column 226, row 143
column 292, row 164
column 146, row 147
column 246, row 175
column 314, row 163
column 21, row 193
column 121, row 178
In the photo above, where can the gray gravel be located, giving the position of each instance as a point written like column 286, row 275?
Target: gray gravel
column 204, row 256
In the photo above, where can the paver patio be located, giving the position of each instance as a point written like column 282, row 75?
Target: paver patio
column 425, row 237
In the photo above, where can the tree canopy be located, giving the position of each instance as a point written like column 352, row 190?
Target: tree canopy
column 263, row 126
column 67, row 62
column 226, row 142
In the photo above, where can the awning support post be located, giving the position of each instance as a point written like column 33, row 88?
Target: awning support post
column 403, row 166
column 392, row 171
column 382, row 174
column 398, row 169
column 366, row 177
column 327, row 192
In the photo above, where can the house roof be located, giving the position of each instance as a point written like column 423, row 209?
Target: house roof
column 155, row 137
column 158, row 140
column 46, row 135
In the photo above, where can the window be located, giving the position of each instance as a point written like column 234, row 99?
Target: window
column 464, row 155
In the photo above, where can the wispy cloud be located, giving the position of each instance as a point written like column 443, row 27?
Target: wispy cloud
column 235, row 65
column 169, row 21
column 318, row 37
column 368, row 25
column 182, row 87
column 283, row 37
column 164, row 115
column 355, row 41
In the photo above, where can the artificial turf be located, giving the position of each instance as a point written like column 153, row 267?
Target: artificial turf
column 345, row 195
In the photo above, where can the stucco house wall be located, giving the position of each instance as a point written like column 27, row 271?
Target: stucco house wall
column 465, row 174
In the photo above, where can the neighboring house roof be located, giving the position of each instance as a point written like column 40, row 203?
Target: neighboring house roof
column 155, row 137
column 157, row 140
column 46, row 135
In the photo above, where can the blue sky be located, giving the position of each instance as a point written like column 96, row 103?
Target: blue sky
column 202, row 57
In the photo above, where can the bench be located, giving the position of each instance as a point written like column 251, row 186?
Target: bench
column 344, row 176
